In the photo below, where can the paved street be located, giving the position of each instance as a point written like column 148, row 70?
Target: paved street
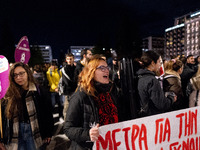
column 59, row 141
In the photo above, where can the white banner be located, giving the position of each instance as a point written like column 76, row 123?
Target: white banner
column 177, row 130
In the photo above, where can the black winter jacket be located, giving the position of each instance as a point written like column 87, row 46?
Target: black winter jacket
column 152, row 97
column 69, row 85
column 188, row 72
column 81, row 113
column 78, row 69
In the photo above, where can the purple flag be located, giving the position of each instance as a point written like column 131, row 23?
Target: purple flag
column 4, row 75
column 22, row 51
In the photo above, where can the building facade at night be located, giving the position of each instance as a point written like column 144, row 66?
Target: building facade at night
column 46, row 52
column 153, row 43
column 183, row 38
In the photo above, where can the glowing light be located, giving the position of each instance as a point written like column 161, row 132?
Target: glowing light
column 175, row 27
column 195, row 14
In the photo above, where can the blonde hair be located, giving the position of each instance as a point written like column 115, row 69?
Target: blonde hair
column 86, row 77
column 173, row 64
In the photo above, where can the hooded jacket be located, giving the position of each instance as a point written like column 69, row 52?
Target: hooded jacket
column 152, row 97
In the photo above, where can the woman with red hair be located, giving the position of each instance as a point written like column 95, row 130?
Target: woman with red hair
column 92, row 105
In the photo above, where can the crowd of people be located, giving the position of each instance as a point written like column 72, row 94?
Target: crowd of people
column 87, row 93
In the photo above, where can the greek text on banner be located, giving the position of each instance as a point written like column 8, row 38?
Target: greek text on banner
column 177, row 130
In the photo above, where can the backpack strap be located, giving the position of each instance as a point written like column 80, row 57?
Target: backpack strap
column 59, row 72
column 63, row 72
column 50, row 72
column 169, row 76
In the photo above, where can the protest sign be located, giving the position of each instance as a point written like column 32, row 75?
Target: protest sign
column 4, row 75
column 178, row 130
column 22, row 51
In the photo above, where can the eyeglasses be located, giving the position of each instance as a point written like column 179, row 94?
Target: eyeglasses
column 20, row 74
column 103, row 68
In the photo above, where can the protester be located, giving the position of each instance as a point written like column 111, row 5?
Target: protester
column 68, row 82
column 197, row 60
column 172, row 81
column 103, row 56
column 91, row 106
column 39, row 75
column 45, row 68
column 194, row 99
column 53, row 76
column 114, row 69
column 27, row 118
column 152, row 97
column 86, row 55
column 189, row 71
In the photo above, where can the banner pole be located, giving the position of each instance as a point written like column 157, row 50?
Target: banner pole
column 1, row 128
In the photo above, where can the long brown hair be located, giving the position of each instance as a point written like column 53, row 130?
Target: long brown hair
column 174, row 65
column 13, row 94
column 86, row 77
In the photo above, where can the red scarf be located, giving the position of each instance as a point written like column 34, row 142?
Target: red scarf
column 107, row 110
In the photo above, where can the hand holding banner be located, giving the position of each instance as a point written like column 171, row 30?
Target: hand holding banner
column 177, row 130
column 22, row 51
column 4, row 76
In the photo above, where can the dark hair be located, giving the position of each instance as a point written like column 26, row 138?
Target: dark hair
column 183, row 59
column 177, row 65
column 69, row 55
column 189, row 56
column 83, row 52
column 148, row 57
column 54, row 62
column 196, row 60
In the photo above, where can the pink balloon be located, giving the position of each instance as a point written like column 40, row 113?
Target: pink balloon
column 22, row 51
column 4, row 75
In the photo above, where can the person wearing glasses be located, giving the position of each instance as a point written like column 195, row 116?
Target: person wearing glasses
column 92, row 105
column 26, row 108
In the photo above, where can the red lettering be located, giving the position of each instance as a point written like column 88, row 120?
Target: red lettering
column 161, row 133
column 181, row 123
column 187, row 124
column 143, row 137
column 194, row 118
column 115, row 144
column 179, row 147
column 126, row 137
column 173, row 146
column 185, row 146
column 97, row 145
column 167, row 130
column 157, row 129
column 135, row 128
column 197, row 143
column 107, row 141
column 192, row 145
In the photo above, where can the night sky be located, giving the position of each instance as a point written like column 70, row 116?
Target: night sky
column 63, row 23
